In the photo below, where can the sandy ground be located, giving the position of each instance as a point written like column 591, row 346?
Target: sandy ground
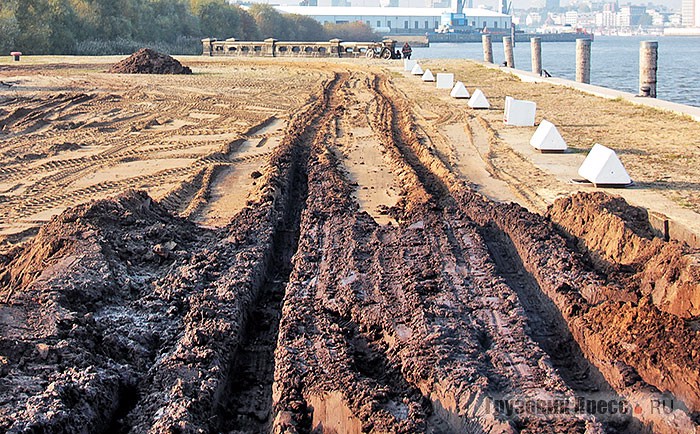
column 660, row 150
column 83, row 141
column 331, row 246
column 72, row 133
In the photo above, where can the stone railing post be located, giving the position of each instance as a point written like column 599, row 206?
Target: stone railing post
column 536, row 52
column 508, row 51
column 270, row 47
column 208, row 46
column 335, row 47
column 648, row 57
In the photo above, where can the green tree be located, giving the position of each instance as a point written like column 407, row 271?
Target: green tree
column 118, row 18
column 171, row 19
column 9, row 27
column 64, row 26
column 34, row 30
column 249, row 28
column 305, row 28
column 219, row 20
column 271, row 23
column 355, row 31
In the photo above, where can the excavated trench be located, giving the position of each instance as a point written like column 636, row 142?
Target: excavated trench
column 247, row 401
column 306, row 315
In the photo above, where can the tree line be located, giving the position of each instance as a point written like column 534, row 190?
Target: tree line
column 94, row 27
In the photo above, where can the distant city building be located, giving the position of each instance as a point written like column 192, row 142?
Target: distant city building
column 533, row 19
column 436, row 3
column 688, row 9
column 571, row 18
column 631, row 16
column 610, row 7
column 675, row 20
column 657, row 18
column 399, row 19
column 606, row 19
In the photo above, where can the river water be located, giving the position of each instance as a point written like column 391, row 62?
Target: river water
column 614, row 62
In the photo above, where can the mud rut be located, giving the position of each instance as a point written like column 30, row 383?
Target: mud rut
column 306, row 315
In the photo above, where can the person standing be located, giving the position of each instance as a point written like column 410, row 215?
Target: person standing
column 406, row 51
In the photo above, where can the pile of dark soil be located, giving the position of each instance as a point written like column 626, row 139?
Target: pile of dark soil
column 147, row 61
column 618, row 237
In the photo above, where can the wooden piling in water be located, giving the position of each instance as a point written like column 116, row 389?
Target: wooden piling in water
column 508, row 51
column 648, row 56
column 536, row 50
column 488, row 48
column 583, row 60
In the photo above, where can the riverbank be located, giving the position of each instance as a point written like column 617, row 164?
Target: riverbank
column 660, row 148
column 678, row 61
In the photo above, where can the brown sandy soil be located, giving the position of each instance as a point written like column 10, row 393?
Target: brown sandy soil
column 72, row 133
column 660, row 150
column 329, row 248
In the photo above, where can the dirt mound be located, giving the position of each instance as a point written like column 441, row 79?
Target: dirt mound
column 618, row 237
column 147, row 61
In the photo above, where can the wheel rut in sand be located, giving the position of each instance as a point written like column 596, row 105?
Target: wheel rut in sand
column 547, row 327
column 247, row 404
column 306, row 314
column 230, row 189
column 361, row 151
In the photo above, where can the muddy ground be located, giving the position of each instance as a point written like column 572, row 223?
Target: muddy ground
column 317, row 263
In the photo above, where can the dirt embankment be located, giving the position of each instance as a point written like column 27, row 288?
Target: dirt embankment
column 306, row 315
column 618, row 237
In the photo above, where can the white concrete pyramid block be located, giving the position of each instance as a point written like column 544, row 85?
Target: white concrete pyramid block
column 602, row 166
column 459, row 91
column 428, row 76
column 478, row 100
column 519, row 113
column 417, row 70
column 408, row 64
column 547, row 138
column 444, row 80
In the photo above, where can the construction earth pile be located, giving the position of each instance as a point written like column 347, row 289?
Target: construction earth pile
column 148, row 61
column 362, row 286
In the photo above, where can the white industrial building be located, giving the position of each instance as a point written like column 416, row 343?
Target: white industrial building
column 691, row 13
column 401, row 20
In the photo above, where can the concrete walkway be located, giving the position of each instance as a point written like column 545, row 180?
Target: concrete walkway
column 604, row 92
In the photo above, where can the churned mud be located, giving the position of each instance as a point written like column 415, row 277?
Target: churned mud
column 333, row 269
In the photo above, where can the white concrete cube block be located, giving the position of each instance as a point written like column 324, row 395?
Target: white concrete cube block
column 519, row 113
column 408, row 64
column 602, row 166
column 444, row 80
